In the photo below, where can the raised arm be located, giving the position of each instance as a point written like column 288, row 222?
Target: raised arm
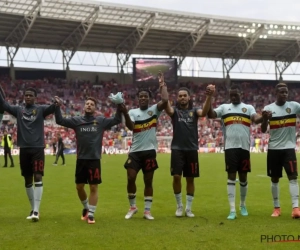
column 210, row 90
column 128, row 122
column 4, row 106
column 163, row 103
column 211, row 113
column 48, row 110
column 66, row 122
column 110, row 122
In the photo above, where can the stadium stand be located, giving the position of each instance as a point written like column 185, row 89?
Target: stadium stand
column 74, row 93
column 217, row 37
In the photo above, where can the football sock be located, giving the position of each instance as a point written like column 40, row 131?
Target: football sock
column 189, row 201
column 148, row 203
column 275, row 193
column 38, row 192
column 178, row 198
column 92, row 210
column 30, row 194
column 85, row 203
column 243, row 192
column 231, row 194
column 294, row 191
column 132, row 200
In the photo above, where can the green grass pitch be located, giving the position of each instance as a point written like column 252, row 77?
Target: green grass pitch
column 60, row 227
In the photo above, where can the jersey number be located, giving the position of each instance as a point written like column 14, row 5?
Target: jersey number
column 150, row 163
column 237, row 119
column 293, row 166
column 245, row 165
column 94, row 174
column 39, row 166
column 194, row 167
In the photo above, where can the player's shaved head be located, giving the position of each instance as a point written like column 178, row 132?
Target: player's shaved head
column 235, row 87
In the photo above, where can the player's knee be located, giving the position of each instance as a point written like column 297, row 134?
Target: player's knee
column 275, row 179
column 190, row 180
column 93, row 188
column 80, row 187
column 131, row 176
column 243, row 177
column 177, row 178
column 38, row 178
column 28, row 181
column 292, row 177
column 232, row 176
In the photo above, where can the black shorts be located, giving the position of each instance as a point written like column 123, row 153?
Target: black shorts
column 32, row 161
column 278, row 158
column 88, row 172
column 145, row 160
column 237, row 160
column 185, row 162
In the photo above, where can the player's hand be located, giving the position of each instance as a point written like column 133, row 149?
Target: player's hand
column 210, row 90
column 161, row 79
column 267, row 115
column 122, row 108
column 57, row 101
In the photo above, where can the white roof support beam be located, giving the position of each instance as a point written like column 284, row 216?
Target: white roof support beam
column 71, row 44
column 239, row 50
column 187, row 45
column 125, row 49
column 18, row 35
column 285, row 58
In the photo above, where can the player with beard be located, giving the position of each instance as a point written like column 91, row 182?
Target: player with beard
column 89, row 131
column 142, row 154
column 236, row 118
column 184, row 146
column 30, row 139
column 281, row 148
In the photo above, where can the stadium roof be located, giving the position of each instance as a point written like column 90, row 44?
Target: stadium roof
column 104, row 27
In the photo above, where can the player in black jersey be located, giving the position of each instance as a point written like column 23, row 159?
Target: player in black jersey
column 30, row 139
column 89, row 134
column 184, row 147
